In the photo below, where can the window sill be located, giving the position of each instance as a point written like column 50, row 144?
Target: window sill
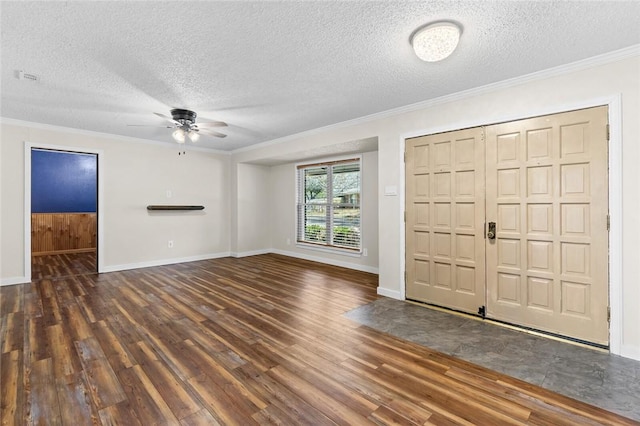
column 332, row 250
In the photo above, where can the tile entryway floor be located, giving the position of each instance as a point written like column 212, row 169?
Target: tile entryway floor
column 589, row 375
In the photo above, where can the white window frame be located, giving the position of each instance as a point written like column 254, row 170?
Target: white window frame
column 320, row 246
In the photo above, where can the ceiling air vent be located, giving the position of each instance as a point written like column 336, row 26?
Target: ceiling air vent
column 26, row 76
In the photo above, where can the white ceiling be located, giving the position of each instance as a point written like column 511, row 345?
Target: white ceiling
column 272, row 69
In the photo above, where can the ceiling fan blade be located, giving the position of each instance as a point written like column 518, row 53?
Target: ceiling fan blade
column 212, row 133
column 212, row 124
column 166, row 117
column 149, row 125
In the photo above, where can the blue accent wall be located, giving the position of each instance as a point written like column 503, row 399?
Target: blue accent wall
column 63, row 182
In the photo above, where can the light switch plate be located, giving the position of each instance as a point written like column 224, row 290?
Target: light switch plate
column 390, row 190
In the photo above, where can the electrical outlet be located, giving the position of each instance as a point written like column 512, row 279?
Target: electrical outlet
column 170, row 244
column 288, row 241
column 365, row 252
column 169, row 193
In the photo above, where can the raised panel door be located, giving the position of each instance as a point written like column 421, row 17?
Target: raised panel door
column 444, row 219
column 546, row 189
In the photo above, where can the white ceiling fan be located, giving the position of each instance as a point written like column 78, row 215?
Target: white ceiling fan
column 184, row 123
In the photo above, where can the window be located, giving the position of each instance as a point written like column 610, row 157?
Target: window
column 329, row 204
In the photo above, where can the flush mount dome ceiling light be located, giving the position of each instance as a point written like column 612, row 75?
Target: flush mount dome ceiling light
column 435, row 42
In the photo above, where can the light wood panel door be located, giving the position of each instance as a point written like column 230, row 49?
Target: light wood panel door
column 546, row 189
column 547, row 192
column 444, row 219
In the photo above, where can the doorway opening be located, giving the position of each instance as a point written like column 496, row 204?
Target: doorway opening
column 62, row 208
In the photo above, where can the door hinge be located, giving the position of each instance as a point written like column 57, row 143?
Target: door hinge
column 608, row 132
column 405, row 217
column 608, row 313
column 608, row 222
column 405, row 277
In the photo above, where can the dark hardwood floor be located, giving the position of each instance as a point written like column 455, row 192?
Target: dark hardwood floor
column 63, row 265
column 255, row 340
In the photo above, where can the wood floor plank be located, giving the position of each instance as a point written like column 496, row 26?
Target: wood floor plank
column 272, row 415
column 145, row 399
column 281, row 397
column 223, row 403
column 76, row 407
column 409, row 391
column 104, row 385
column 221, row 376
column 36, row 345
column 550, row 404
column 469, row 406
column 73, row 316
column 11, row 331
column 181, row 401
column 385, row 416
column 172, row 355
column 43, row 394
column 65, row 359
column 254, row 340
column 200, row 418
column 322, row 377
column 245, row 350
column 433, row 376
column 65, row 264
column 113, row 348
column 32, row 302
column 119, row 414
column 379, row 396
column 51, row 311
column 13, row 389
column 12, row 299
column 338, row 412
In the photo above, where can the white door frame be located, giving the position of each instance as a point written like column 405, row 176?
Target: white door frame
column 27, row 200
column 614, row 102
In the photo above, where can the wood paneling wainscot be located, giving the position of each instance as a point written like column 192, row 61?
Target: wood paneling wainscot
column 63, row 233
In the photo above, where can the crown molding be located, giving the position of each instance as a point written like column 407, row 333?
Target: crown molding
column 606, row 58
column 584, row 64
column 73, row 130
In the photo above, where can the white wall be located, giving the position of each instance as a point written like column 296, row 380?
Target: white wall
column 136, row 174
column 253, row 211
column 137, row 237
column 588, row 83
column 283, row 218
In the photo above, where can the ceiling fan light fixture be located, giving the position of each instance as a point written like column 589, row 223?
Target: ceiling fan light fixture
column 183, row 125
column 179, row 135
column 435, row 42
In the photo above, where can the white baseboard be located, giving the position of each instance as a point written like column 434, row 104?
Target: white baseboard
column 348, row 265
column 127, row 266
column 13, row 280
column 161, row 262
column 390, row 293
column 250, row 253
column 629, row 351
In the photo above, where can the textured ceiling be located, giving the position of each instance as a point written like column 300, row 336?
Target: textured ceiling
column 272, row 69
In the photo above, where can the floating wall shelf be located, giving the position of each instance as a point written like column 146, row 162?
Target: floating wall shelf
column 174, row 207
